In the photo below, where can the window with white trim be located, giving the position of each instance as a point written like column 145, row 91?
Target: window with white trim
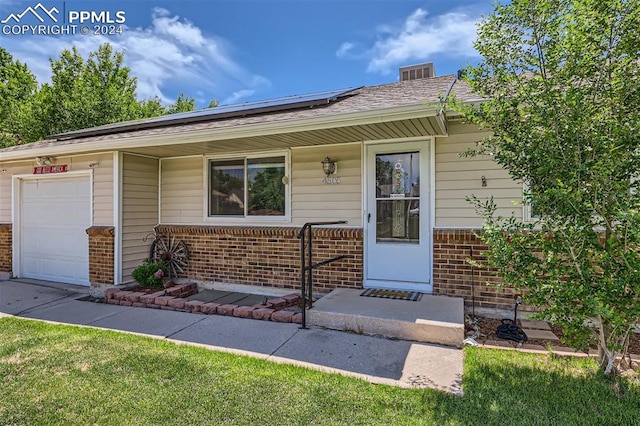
column 530, row 214
column 248, row 186
column 529, row 211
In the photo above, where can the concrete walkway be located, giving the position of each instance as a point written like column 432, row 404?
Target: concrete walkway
column 377, row 360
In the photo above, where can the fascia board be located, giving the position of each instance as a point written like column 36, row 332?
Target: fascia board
column 207, row 135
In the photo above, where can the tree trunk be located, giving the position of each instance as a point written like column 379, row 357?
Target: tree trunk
column 606, row 355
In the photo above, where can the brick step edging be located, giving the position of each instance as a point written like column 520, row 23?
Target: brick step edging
column 175, row 299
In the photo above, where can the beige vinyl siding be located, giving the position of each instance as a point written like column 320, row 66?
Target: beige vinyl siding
column 458, row 178
column 182, row 190
column 102, row 183
column 311, row 200
column 139, row 209
column 183, row 182
column 21, row 168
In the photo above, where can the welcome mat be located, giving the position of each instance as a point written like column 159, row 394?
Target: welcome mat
column 392, row 294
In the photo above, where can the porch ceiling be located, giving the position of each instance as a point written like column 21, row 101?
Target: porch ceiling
column 415, row 127
column 244, row 136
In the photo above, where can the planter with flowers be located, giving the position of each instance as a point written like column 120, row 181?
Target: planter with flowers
column 152, row 275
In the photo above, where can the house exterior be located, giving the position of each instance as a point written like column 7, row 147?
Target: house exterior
column 237, row 183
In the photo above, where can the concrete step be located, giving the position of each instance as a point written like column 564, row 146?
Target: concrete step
column 432, row 319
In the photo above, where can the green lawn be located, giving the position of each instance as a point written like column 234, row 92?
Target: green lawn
column 51, row 374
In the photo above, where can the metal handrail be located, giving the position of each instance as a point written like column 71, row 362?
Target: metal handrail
column 307, row 266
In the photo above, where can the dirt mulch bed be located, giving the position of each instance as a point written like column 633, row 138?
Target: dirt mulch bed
column 488, row 328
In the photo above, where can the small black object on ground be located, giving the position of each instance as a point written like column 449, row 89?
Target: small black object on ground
column 509, row 329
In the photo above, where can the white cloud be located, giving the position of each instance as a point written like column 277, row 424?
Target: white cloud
column 345, row 50
column 170, row 55
column 417, row 38
column 236, row 96
column 184, row 32
column 6, row 4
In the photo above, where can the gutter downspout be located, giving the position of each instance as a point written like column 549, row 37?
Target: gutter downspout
column 444, row 101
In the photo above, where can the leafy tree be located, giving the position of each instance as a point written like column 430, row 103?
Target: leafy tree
column 266, row 192
column 113, row 88
column 227, row 184
column 562, row 84
column 17, row 85
column 182, row 104
column 86, row 94
column 82, row 94
column 151, row 107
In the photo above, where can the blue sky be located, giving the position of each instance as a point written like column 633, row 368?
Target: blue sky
column 243, row 50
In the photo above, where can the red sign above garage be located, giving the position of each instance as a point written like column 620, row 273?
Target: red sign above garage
column 42, row 170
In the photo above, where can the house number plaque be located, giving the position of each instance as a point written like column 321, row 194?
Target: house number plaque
column 331, row 181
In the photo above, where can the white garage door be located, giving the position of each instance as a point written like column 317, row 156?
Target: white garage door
column 55, row 214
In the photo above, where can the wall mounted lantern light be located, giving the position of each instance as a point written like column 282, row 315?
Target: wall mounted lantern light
column 329, row 166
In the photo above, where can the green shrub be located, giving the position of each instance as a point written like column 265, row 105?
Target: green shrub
column 151, row 274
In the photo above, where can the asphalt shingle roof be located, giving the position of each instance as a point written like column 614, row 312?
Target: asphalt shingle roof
column 370, row 98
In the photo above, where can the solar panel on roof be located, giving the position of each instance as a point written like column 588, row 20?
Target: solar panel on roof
column 219, row 112
column 323, row 97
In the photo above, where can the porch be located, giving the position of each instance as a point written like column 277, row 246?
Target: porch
column 427, row 319
column 430, row 319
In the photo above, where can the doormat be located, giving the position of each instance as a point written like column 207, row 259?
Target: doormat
column 412, row 296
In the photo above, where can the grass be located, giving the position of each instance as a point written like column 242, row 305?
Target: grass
column 53, row 374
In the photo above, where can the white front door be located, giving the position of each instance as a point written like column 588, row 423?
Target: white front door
column 54, row 216
column 398, row 244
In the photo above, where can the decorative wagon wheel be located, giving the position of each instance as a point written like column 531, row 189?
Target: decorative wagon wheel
column 172, row 251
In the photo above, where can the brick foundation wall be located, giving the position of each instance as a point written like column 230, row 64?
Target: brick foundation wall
column 101, row 254
column 6, row 245
column 269, row 256
column 453, row 276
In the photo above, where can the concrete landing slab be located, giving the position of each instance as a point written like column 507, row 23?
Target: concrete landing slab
column 534, row 334
column 533, row 324
column 231, row 297
column 433, row 319
column 209, row 295
column 252, row 299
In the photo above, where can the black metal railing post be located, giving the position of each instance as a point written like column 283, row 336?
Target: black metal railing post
column 303, row 277
column 307, row 266
column 310, row 265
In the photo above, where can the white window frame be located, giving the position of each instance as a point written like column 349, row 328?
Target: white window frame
column 527, row 211
column 248, row 219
